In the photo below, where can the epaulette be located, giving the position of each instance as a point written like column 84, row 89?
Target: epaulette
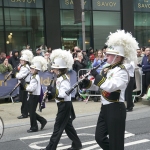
column 64, row 77
column 122, row 66
column 34, row 76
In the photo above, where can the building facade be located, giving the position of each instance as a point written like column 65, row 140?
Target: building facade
column 51, row 22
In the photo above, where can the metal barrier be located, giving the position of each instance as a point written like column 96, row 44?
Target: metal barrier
column 138, row 81
column 87, row 92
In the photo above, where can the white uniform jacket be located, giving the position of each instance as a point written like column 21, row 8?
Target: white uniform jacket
column 113, row 85
column 62, row 85
column 34, row 87
column 24, row 70
column 130, row 67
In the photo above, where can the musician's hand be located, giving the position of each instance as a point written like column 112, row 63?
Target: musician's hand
column 49, row 88
column 104, row 72
column 94, row 73
column 84, row 84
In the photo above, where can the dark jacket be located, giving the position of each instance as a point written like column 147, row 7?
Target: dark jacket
column 79, row 65
column 145, row 64
column 14, row 61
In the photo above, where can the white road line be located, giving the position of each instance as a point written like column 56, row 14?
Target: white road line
column 85, row 143
column 128, row 135
column 49, row 134
column 91, row 147
column 137, row 142
column 86, row 127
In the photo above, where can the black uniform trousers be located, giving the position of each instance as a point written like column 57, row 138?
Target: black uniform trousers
column 34, row 117
column 63, row 122
column 145, row 81
column 128, row 93
column 111, row 122
column 23, row 98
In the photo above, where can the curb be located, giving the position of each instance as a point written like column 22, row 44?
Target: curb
column 145, row 102
column 50, row 120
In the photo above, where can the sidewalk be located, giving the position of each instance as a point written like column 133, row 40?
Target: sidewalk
column 9, row 112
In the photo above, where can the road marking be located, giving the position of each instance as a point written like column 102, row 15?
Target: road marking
column 137, row 142
column 89, row 145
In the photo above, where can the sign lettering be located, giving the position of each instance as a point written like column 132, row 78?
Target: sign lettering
column 68, row 4
column 106, row 4
column 24, row 3
column 142, row 5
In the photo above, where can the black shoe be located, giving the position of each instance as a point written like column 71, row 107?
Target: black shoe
column 72, row 148
column 29, row 131
column 43, row 124
column 129, row 110
column 22, row 117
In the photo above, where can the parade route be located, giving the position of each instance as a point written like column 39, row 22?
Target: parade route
column 137, row 136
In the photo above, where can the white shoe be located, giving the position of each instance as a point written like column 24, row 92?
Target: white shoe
column 144, row 97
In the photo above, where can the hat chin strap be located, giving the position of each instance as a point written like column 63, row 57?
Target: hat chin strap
column 113, row 60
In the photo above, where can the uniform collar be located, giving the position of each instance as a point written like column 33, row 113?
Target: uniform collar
column 60, row 75
column 114, row 65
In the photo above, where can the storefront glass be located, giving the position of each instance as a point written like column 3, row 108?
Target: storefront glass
column 22, row 24
column 142, row 22
column 103, row 24
column 72, row 33
column 1, row 31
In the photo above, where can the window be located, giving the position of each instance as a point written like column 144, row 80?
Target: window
column 142, row 28
column 72, row 33
column 1, row 31
column 23, row 26
column 103, row 24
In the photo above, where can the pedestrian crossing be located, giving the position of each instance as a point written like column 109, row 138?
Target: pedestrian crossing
column 90, row 144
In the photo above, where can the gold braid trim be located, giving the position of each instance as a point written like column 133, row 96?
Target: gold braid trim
column 101, row 81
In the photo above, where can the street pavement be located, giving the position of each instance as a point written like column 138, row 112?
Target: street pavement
column 137, row 136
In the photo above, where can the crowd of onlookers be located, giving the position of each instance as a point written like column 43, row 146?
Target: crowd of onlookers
column 83, row 59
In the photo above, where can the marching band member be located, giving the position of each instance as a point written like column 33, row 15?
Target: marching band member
column 24, row 72
column 128, row 93
column 113, row 81
column 61, row 61
column 34, row 91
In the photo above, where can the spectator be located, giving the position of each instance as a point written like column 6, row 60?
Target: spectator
column 28, row 47
column 47, row 57
column 146, row 71
column 139, row 57
column 98, row 60
column 38, row 52
column 91, row 55
column 5, row 66
column 86, row 59
column 79, row 63
column 2, row 57
column 49, row 50
column 104, row 50
column 143, row 50
column 10, row 55
column 76, row 50
column 14, row 60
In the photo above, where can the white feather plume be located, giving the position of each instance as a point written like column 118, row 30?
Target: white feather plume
column 41, row 60
column 127, row 41
column 28, row 53
column 65, row 55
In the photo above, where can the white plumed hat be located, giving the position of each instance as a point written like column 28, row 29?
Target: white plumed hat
column 61, row 59
column 122, row 44
column 39, row 63
column 27, row 54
